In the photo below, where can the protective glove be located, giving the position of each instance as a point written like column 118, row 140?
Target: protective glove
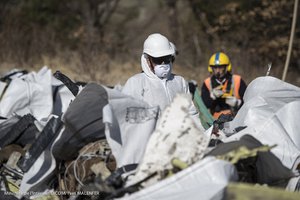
column 233, row 101
column 216, row 93
column 213, row 96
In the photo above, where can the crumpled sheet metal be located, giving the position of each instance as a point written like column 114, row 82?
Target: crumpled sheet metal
column 129, row 124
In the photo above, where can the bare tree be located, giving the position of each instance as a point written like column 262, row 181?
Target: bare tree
column 173, row 20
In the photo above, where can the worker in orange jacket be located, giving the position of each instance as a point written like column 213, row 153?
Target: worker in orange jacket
column 222, row 92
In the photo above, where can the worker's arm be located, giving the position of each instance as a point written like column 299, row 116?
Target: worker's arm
column 242, row 89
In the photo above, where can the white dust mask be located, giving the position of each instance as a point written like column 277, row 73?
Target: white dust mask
column 163, row 70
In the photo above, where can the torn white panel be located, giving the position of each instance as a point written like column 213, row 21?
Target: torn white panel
column 270, row 114
column 205, row 180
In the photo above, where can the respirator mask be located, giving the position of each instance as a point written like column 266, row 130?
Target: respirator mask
column 163, row 66
column 163, row 70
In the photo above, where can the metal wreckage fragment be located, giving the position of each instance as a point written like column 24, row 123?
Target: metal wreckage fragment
column 86, row 168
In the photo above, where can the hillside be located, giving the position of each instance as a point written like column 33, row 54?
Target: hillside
column 101, row 40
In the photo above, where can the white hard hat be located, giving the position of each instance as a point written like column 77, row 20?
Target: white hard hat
column 157, row 45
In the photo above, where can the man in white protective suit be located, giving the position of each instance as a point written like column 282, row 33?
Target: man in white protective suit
column 156, row 85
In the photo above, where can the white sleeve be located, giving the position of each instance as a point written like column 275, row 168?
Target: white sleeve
column 195, row 115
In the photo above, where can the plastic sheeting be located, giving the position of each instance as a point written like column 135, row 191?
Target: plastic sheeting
column 206, row 179
column 83, row 122
column 129, row 124
column 32, row 93
column 270, row 112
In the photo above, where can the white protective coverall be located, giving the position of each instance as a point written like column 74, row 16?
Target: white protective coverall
column 148, row 87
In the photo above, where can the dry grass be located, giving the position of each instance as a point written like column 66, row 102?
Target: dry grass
column 104, row 70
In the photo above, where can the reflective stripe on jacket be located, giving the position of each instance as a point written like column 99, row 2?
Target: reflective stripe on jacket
column 235, row 86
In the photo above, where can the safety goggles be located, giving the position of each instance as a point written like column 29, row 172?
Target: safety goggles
column 161, row 60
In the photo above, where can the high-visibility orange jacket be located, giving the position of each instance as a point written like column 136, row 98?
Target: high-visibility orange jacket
column 232, row 85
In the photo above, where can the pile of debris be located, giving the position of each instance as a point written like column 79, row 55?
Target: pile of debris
column 62, row 139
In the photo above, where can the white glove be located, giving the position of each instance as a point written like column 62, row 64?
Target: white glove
column 213, row 96
column 216, row 93
column 233, row 101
